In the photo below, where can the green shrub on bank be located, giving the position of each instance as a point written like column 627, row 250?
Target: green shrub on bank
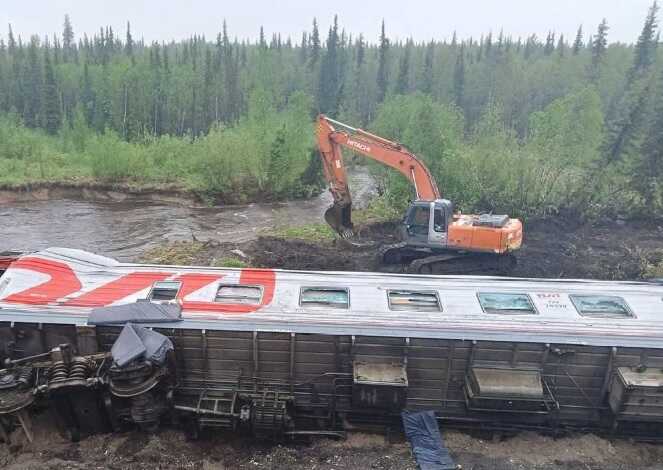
column 263, row 156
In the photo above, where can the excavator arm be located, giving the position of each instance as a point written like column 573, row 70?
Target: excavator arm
column 330, row 142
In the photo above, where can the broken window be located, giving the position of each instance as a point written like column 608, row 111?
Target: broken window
column 322, row 296
column 601, row 306
column 508, row 304
column 422, row 301
column 165, row 290
column 236, row 294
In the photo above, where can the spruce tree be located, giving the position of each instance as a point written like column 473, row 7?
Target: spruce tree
column 550, row 43
column 87, row 95
column 329, row 85
column 129, row 44
column 578, row 43
column 648, row 174
column 459, row 77
column 561, row 46
column 11, row 42
column 403, row 80
column 645, row 48
column 32, row 84
column 361, row 51
column 232, row 99
column 599, row 48
column 627, row 116
column 303, row 49
column 314, row 39
column 488, row 46
column 383, row 65
column 68, row 43
column 262, row 42
column 427, row 76
column 51, row 112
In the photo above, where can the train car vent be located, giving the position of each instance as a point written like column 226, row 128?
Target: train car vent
column 421, row 301
column 507, row 390
column 378, row 385
column 324, row 297
column 636, row 394
column 237, row 294
column 164, row 291
column 602, row 306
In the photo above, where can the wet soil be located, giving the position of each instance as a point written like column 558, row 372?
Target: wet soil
column 169, row 449
column 553, row 248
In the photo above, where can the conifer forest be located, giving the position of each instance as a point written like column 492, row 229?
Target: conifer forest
column 529, row 126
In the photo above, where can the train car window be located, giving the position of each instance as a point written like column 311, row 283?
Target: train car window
column 601, row 306
column 165, row 290
column 323, row 296
column 237, row 294
column 421, row 301
column 506, row 303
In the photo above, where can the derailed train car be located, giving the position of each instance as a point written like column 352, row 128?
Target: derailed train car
column 283, row 353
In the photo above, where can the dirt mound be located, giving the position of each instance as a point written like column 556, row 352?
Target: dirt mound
column 298, row 254
column 617, row 250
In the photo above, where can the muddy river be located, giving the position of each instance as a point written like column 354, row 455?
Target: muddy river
column 124, row 230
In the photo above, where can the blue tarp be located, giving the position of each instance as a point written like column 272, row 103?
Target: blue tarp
column 427, row 445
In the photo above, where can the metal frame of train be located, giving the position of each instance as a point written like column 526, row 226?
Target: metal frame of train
column 284, row 353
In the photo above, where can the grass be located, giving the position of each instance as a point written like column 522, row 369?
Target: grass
column 230, row 262
column 310, row 232
column 179, row 253
column 379, row 210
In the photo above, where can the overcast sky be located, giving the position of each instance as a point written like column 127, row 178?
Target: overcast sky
column 420, row 19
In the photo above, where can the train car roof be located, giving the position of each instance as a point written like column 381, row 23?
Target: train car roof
column 60, row 285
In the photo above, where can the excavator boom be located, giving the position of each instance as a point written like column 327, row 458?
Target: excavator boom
column 333, row 135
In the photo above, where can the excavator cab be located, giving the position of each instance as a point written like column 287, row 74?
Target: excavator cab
column 426, row 223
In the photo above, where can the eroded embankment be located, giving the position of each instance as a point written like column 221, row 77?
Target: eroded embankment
column 96, row 191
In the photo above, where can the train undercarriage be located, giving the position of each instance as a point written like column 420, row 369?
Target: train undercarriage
column 280, row 385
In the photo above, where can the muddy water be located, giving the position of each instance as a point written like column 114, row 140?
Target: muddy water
column 124, row 230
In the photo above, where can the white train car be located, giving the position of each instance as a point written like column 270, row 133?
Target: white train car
column 290, row 352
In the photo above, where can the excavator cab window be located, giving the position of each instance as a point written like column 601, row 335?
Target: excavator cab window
column 417, row 220
column 439, row 221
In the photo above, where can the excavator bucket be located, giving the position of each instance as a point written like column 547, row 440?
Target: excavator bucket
column 339, row 218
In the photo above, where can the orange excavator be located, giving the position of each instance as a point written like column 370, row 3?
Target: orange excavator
column 435, row 239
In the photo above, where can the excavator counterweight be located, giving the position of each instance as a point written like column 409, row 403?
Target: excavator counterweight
column 433, row 235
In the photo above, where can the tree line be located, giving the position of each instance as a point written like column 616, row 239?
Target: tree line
column 580, row 117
